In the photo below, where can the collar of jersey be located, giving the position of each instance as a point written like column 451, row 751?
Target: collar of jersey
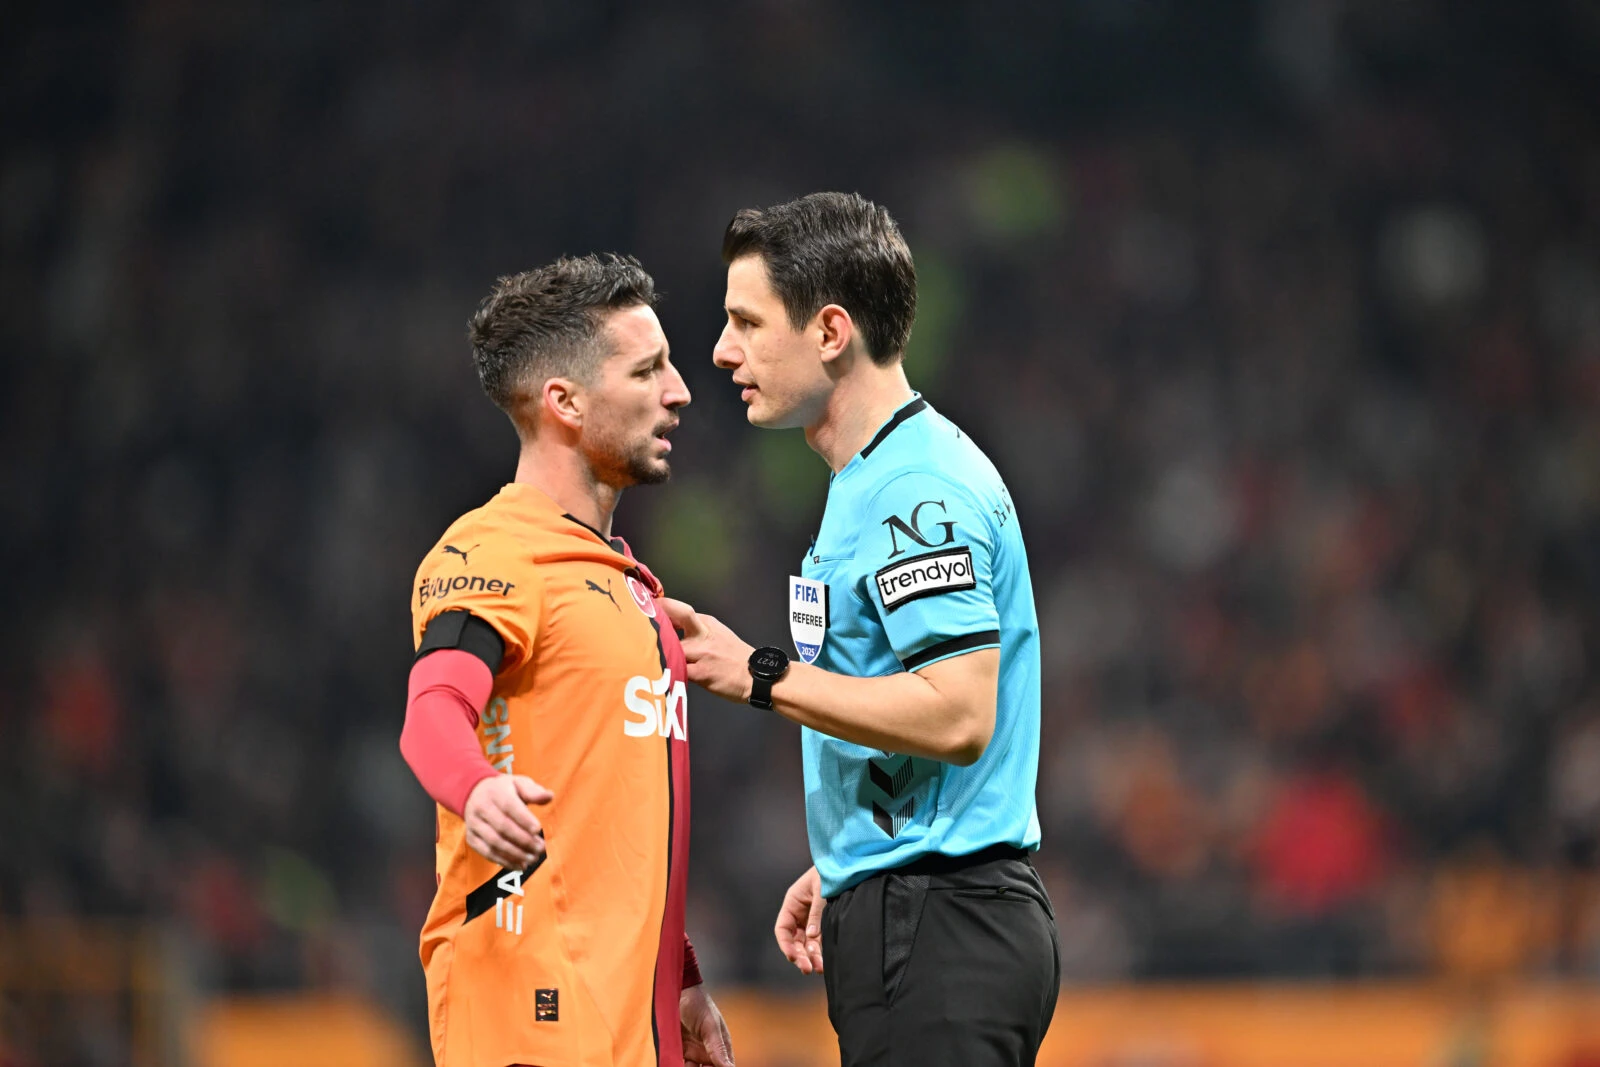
column 541, row 504
column 912, row 407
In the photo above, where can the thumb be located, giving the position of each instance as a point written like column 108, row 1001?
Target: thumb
column 531, row 791
column 682, row 615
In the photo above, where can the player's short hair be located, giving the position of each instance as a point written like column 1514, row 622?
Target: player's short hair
column 546, row 323
column 834, row 248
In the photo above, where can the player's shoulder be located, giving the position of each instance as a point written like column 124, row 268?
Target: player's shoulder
column 496, row 533
column 470, row 526
column 484, row 562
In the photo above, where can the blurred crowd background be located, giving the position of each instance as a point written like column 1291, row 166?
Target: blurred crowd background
column 1281, row 319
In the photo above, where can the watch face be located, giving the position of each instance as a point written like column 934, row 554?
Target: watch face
column 768, row 662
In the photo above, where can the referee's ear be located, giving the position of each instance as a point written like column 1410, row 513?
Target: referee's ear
column 836, row 331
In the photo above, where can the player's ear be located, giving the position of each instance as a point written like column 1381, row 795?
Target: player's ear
column 836, row 331
column 562, row 401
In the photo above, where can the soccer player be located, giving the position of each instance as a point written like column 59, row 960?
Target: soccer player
column 918, row 690
column 546, row 677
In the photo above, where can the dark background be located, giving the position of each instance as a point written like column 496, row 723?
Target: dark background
column 1281, row 319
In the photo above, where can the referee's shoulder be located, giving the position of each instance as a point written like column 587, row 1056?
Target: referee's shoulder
column 942, row 455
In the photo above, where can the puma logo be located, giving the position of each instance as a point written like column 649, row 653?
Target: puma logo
column 606, row 592
column 452, row 550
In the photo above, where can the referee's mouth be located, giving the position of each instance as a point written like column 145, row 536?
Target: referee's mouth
column 749, row 389
column 661, row 434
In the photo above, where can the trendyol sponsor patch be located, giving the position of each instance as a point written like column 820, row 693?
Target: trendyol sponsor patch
column 920, row 576
column 808, row 616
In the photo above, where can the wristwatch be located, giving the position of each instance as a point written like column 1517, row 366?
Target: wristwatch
column 767, row 665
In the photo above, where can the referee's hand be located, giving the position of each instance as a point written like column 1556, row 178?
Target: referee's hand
column 717, row 658
column 799, row 926
column 499, row 826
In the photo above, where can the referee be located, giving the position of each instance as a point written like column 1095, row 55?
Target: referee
column 917, row 683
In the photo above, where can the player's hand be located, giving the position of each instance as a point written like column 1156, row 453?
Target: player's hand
column 799, row 926
column 717, row 658
column 705, row 1035
column 500, row 828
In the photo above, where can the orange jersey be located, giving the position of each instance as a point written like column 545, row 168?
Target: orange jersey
column 579, row 961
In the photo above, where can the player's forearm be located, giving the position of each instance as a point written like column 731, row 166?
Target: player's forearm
column 903, row 713
column 438, row 740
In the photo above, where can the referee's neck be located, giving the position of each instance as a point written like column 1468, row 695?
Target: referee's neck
column 861, row 402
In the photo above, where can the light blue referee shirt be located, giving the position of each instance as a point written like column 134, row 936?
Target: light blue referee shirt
column 918, row 559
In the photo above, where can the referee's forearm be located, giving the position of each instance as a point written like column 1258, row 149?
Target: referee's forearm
column 896, row 713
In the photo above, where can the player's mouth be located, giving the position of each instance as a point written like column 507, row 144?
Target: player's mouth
column 749, row 389
column 661, row 434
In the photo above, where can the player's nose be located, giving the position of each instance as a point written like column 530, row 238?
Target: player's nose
column 676, row 394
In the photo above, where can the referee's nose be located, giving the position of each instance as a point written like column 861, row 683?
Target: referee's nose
column 726, row 353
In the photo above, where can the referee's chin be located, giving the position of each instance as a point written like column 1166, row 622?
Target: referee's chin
column 767, row 419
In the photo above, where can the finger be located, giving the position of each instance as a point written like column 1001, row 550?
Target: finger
column 722, row 1053
column 502, row 850
column 682, row 616
column 788, row 928
column 516, row 811
column 714, row 1040
column 792, row 947
column 492, row 848
column 512, row 818
column 784, row 929
column 531, row 791
column 792, row 943
column 794, row 951
column 518, row 827
column 814, row 916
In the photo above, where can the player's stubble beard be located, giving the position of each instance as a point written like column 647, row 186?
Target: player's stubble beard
column 621, row 463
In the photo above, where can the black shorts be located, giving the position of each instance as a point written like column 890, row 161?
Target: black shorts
column 942, row 962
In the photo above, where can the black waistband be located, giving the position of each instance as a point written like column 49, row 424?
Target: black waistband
column 938, row 863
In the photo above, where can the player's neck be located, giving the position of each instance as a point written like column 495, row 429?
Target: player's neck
column 861, row 402
column 562, row 475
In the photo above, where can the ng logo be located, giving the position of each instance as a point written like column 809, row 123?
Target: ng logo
column 913, row 529
column 659, row 706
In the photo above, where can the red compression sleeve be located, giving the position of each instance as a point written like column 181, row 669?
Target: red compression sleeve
column 440, row 740
column 691, row 965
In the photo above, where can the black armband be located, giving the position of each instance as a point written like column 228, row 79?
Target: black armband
column 463, row 630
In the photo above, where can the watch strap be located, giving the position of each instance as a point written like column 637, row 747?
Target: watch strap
column 761, row 693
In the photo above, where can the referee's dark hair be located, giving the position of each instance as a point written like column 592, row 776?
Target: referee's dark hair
column 834, row 248
column 545, row 323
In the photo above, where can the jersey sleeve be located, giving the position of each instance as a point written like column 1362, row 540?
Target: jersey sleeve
column 490, row 576
column 929, row 551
